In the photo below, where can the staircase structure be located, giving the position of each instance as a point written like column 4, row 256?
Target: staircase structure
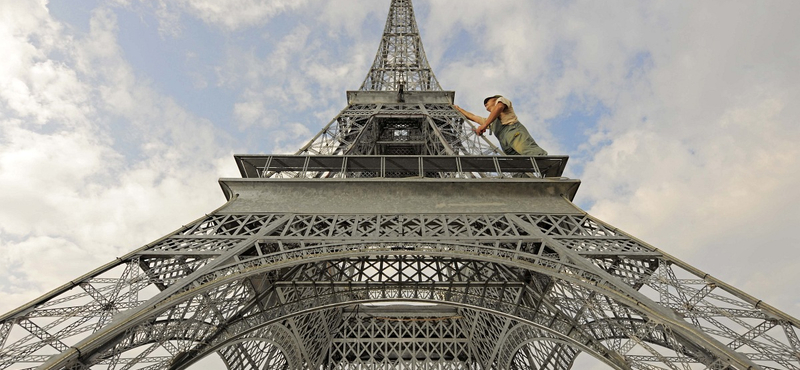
column 398, row 239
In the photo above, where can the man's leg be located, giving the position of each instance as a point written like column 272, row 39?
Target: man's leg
column 521, row 141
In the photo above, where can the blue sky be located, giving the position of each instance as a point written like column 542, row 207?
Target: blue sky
column 117, row 117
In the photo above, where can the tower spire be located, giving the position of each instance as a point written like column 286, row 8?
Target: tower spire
column 400, row 63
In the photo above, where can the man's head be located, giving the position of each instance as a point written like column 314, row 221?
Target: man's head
column 490, row 102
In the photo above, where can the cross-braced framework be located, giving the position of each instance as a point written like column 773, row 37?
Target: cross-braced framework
column 400, row 63
column 399, row 128
column 310, row 291
column 398, row 239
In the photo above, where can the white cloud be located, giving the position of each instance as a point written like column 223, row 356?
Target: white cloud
column 248, row 112
column 700, row 157
column 70, row 198
column 228, row 15
column 718, row 197
column 350, row 16
column 697, row 154
column 290, row 137
column 300, row 74
column 234, row 14
column 29, row 81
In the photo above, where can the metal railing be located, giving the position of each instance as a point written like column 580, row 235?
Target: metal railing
column 399, row 166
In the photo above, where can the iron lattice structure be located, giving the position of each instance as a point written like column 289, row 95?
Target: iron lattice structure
column 400, row 63
column 397, row 239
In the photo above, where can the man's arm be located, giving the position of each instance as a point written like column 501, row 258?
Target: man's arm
column 470, row 116
column 496, row 110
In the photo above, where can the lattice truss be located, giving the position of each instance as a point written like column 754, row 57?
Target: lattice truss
column 400, row 63
column 488, row 291
column 399, row 128
column 378, row 129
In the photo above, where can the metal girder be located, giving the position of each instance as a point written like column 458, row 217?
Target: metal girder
column 387, row 127
column 398, row 239
column 400, row 63
column 394, row 166
column 474, row 249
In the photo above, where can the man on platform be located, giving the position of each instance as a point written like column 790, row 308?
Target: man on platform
column 512, row 135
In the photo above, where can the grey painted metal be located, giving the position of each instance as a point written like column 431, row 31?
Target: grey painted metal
column 410, row 97
column 397, row 239
column 389, row 127
column 399, row 166
column 525, row 277
column 400, row 63
column 400, row 196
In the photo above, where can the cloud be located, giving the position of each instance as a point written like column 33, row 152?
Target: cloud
column 235, row 14
column 351, row 16
column 298, row 76
column 227, row 15
column 290, row 138
column 70, row 196
column 695, row 149
column 249, row 112
column 699, row 156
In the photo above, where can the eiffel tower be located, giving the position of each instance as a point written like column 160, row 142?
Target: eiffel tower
column 398, row 239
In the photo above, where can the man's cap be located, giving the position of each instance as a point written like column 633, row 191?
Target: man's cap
column 490, row 98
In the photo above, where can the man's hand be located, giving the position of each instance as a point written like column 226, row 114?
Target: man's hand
column 480, row 130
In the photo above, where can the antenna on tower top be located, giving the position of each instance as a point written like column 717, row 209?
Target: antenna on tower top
column 400, row 57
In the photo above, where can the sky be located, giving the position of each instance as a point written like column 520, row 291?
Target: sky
column 118, row 117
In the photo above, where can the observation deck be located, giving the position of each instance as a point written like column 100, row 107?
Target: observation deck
column 400, row 166
column 401, row 184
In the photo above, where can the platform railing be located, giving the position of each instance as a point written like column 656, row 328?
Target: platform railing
column 400, row 166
